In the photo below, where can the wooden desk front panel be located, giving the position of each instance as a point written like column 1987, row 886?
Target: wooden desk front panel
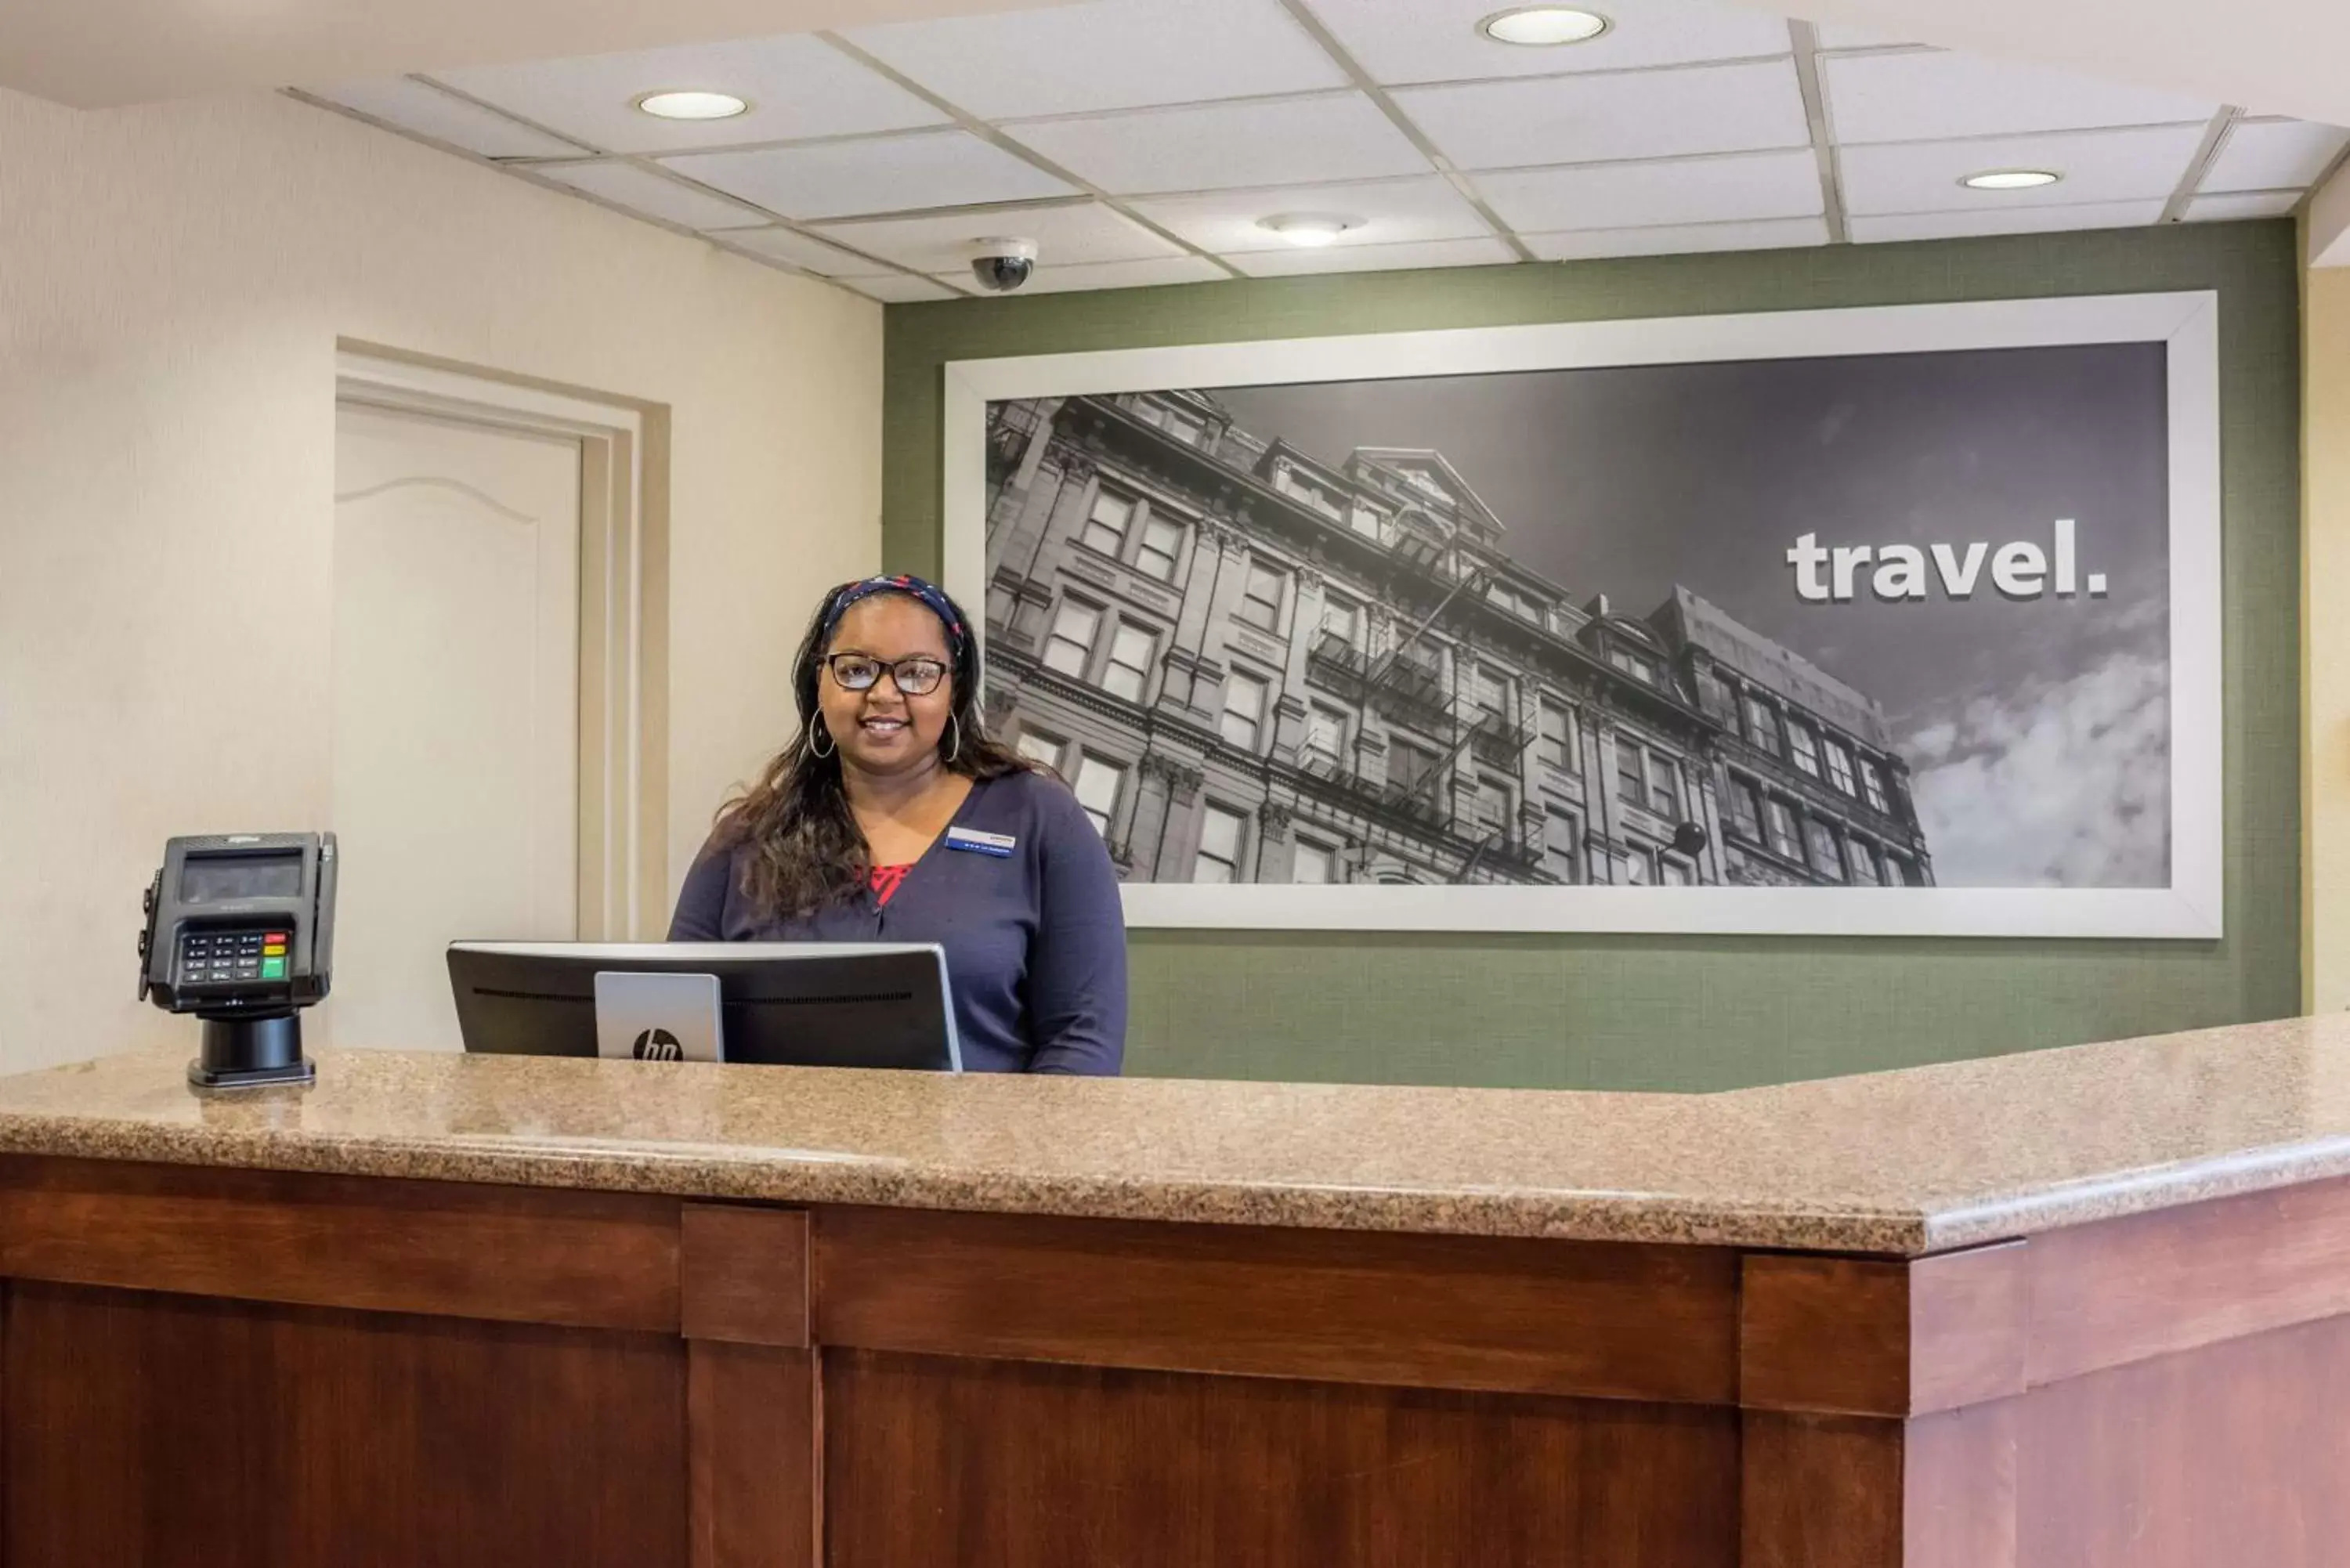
column 146, row 1430
column 277, row 1371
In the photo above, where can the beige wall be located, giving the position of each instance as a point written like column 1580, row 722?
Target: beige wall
column 172, row 284
column 2325, row 632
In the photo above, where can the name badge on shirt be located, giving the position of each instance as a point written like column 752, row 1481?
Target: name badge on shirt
column 999, row 844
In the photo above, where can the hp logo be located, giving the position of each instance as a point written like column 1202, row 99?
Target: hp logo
column 659, row 1045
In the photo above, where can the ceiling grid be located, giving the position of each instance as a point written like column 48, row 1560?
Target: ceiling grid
column 1145, row 141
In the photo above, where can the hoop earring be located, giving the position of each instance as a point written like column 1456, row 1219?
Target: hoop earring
column 821, row 734
column 955, row 724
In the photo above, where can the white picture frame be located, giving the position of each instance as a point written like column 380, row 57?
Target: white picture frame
column 2189, row 909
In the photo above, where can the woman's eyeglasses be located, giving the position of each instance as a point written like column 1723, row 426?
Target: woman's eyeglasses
column 857, row 673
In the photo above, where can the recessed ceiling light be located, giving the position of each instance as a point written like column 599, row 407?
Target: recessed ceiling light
column 692, row 105
column 1311, row 230
column 2010, row 179
column 1544, row 27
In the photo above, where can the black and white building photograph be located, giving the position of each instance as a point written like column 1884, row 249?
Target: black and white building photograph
column 1884, row 621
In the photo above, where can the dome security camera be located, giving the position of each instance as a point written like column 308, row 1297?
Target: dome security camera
column 1005, row 264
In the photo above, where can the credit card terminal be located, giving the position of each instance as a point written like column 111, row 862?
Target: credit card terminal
column 241, row 932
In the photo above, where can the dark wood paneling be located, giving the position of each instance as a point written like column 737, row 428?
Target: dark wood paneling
column 1824, row 1334
column 753, row 1417
column 2236, row 1455
column 1969, row 1325
column 932, row 1461
column 1553, row 1317
column 2110, row 1293
column 743, row 1274
column 1820, row 1491
column 1958, row 1480
column 515, row 1254
column 155, row 1431
column 1880, row 1336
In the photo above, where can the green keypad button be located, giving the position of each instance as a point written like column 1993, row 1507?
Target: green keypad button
column 273, row 968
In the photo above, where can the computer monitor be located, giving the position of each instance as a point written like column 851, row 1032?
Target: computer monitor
column 802, row 1005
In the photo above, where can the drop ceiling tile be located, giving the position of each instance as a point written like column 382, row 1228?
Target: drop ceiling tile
column 641, row 190
column 786, row 245
column 1402, row 41
column 885, row 174
column 412, row 106
column 1051, row 279
column 797, row 86
column 1086, row 231
column 2096, row 166
column 1393, row 212
column 1644, row 195
column 2275, row 154
column 1294, row 261
column 1214, row 147
column 1935, row 96
column 1592, row 120
column 1781, row 234
column 2237, row 206
column 896, row 289
column 1111, row 54
column 2006, row 220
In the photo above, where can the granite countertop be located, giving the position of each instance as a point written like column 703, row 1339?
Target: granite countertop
column 1904, row 1162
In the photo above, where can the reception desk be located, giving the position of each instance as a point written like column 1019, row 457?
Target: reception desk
column 2066, row 1310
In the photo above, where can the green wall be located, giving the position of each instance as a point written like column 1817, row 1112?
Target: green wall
column 1649, row 1012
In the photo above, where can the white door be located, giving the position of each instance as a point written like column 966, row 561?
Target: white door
column 455, row 709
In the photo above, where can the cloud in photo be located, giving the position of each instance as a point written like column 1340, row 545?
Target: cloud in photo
column 2059, row 784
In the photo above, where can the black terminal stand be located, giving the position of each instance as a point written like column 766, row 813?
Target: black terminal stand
column 247, row 1053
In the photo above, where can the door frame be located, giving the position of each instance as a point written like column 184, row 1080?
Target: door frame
column 623, row 854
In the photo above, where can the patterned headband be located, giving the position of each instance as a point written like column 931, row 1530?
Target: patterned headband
column 931, row 596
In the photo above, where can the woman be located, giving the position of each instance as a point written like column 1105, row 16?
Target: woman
column 893, row 817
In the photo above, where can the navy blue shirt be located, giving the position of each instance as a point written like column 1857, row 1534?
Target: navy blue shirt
column 1035, row 939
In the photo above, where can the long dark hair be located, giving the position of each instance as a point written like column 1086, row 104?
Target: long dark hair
column 808, row 851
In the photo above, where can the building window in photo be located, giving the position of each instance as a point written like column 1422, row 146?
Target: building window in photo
column 1675, row 873
column 1872, row 784
column 1070, row 646
column 1495, row 698
column 1130, row 652
column 1325, row 733
column 1097, row 787
column 1840, row 767
column 1781, row 822
column 1745, row 811
column 1162, row 546
column 1261, row 598
column 1557, row 745
column 1219, row 846
column 1039, row 747
column 1862, row 856
column 1563, row 846
column 1638, row 870
column 1632, row 785
column 1244, row 720
column 1342, row 620
column 1105, row 527
column 1762, row 724
column 1494, row 810
column 1632, row 664
column 1314, row 864
column 1825, row 858
column 1664, row 787
column 1803, row 747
